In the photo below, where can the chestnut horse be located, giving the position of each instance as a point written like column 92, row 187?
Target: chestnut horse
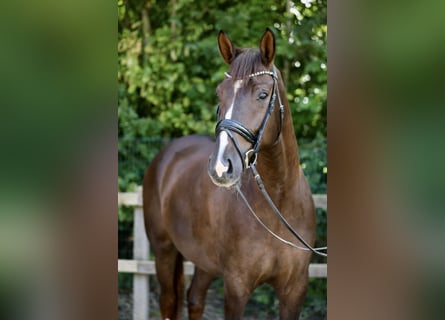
column 192, row 196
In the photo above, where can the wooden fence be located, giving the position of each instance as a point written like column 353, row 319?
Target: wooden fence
column 142, row 267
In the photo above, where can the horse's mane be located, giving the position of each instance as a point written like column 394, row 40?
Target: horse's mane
column 248, row 61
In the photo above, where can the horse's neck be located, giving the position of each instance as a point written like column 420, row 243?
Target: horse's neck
column 279, row 165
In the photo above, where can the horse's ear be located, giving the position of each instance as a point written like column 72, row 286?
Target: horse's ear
column 267, row 47
column 226, row 47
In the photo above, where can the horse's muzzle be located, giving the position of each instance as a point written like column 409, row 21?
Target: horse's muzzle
column 223, row 173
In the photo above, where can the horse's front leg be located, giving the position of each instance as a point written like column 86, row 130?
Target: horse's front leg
column 291, row 297
column 196, row 294
column 236, row 295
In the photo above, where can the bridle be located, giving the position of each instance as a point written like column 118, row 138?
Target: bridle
column 249, row 158
column 229, row 126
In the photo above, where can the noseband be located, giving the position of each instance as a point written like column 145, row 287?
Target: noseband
column 229, row 126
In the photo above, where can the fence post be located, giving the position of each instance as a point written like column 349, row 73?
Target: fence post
column 140, row 252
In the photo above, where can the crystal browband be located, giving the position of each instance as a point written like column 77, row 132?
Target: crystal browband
column 259, row 73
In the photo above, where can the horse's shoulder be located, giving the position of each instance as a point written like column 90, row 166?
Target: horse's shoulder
column 182, row 154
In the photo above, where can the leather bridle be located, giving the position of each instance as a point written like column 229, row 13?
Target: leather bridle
column 230, row 126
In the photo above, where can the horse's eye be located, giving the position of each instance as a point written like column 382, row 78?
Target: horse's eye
column 263, row 95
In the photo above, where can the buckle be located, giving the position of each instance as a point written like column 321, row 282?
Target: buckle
column 250, row 158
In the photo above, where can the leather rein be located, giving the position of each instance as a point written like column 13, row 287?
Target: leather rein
column 249, row 159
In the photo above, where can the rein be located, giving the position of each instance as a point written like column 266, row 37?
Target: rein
column 250, row 158
column 307, row 247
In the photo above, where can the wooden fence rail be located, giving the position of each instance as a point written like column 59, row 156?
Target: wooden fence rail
column 141, row 267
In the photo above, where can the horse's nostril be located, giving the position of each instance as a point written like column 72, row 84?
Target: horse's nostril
column 230, row 169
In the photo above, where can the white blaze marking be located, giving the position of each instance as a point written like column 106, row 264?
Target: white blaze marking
column 223, row 142
column 220, row 168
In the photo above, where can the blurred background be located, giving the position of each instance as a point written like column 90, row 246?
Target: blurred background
column 60, row 141
column 168, row 69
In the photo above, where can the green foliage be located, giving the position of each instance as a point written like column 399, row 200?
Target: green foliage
column 125, row 281
column 134, row 156
column 313, row 159
column 169, row 64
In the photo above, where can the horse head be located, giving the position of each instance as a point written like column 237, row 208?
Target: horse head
column 246, row 101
